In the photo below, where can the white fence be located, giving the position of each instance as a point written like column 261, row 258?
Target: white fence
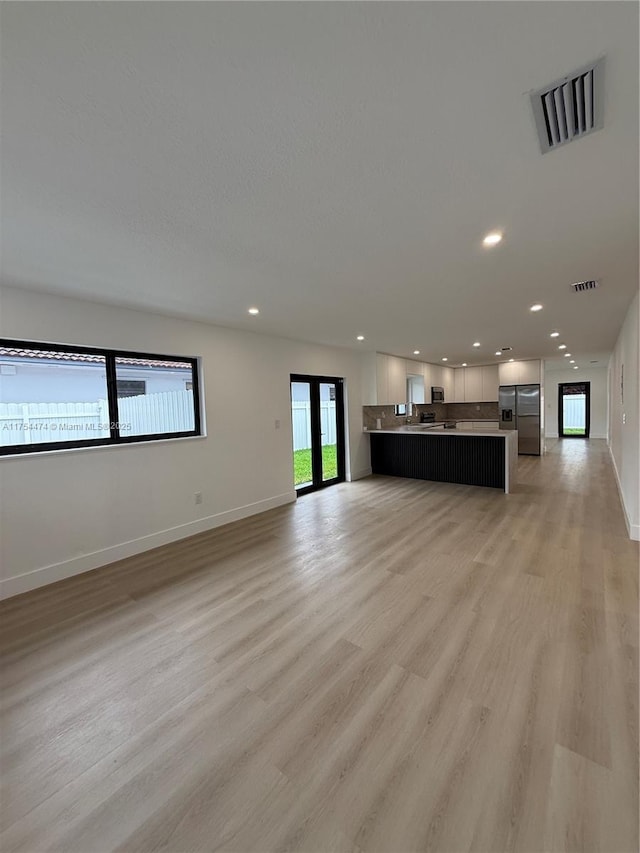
column 301, row 422
column 35, row 423
column 573, row 411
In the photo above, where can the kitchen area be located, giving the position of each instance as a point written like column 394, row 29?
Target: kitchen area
column 468, row 428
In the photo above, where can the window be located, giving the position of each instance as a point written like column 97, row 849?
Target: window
column 55, row 397
column 131, row 387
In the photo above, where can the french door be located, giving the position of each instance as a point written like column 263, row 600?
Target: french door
column 574, row 409
column 317, row 419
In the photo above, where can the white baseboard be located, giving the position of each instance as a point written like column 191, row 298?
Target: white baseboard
column 363, row 472
column 85, row 563
column 632, row 529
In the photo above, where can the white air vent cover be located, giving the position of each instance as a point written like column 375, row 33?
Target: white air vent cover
column 579, row 286
column 570, row 108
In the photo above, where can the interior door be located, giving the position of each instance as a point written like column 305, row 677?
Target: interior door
column 317, row 419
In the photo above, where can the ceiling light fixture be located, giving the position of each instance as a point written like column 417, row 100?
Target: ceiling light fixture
column 575, row 366
column 477, row 344
column 254, row 311
column 510, row 359
column 445, row 359
column 554, row 335
column 536, row 307
column 562, row 346
column 567, row 355
column 360, row 338
column 492, row 239
column 416, row 352
column 498, row 352
column 573, row 361
column 464, row 363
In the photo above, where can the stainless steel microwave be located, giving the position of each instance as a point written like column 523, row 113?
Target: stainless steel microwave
column 437, row 394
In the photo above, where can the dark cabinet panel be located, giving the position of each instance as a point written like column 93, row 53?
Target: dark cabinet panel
column 470, row 460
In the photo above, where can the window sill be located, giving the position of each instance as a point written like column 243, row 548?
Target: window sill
column 38, row 454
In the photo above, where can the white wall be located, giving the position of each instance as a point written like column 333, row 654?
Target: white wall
column 624, row 420
column 69, row 511
column 599, row 398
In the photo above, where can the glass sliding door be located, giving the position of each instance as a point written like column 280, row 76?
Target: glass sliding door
column 317, row 420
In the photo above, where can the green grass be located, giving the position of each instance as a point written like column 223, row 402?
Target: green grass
column 574, row 431
column 302, row 464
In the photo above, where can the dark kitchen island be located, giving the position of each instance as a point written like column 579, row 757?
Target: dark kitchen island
column 472, row 458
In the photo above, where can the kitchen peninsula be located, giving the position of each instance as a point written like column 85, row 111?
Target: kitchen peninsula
column 470, row 457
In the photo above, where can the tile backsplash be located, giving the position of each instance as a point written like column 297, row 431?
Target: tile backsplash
column 442, row 412
column 473, row 411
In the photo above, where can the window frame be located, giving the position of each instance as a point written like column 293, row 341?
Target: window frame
column 114, row 439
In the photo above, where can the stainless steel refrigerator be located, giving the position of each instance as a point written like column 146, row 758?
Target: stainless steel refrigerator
column 520, row 409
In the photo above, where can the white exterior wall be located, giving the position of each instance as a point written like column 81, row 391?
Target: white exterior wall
column 69, row 511
column 81, row 383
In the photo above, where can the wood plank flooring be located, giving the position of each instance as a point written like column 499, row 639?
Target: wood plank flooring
column 390, row 665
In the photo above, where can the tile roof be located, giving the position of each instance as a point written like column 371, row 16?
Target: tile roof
column 55, row 355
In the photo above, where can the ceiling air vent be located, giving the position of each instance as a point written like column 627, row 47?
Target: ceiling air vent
column 569, row 108
column 579, row 286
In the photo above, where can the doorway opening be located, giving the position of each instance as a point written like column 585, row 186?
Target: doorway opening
column 317, row 419
column 574, row 409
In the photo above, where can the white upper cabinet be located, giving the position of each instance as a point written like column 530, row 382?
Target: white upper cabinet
column 475, row 385
column 397, row 387
column 391, row 380
column 472, row 384
column 458, row 385
column 426, row 372
column 509, row 373
column 448, row 383
column 519, row 373
column 382, row 379
column 385, row 383
column 529, row 373
column 490, row 383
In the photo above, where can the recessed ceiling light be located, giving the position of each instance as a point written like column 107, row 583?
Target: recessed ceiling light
column 492, row 239
column 575, row 366
column 254, row 311
column 554, row 335
column 567, row 355
column 498, row 352
column 416, row 352
column 562, row 346
column 573, row 361
column 464, row 363
column 445, row 359
column 536, row 307
column 360, row 338
column 477, row 344
column 510, row 359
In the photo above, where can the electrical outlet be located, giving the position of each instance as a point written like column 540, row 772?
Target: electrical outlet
column 197, row 498
column 277, row 423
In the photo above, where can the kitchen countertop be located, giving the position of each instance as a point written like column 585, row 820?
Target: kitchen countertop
column 439, row 430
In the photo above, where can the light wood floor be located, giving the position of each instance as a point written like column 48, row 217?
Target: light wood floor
column 390, row 665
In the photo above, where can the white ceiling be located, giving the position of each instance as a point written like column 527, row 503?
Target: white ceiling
column 336, row 164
